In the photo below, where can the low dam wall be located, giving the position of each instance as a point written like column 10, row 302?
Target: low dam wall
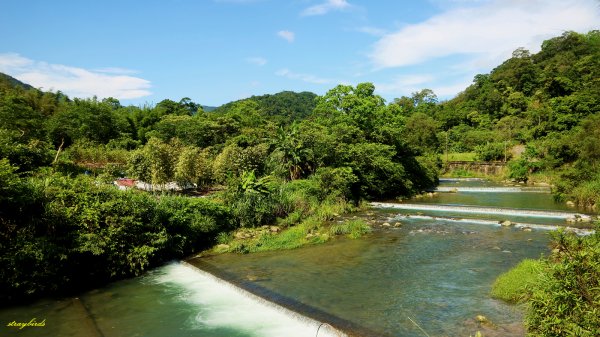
column 482, row 167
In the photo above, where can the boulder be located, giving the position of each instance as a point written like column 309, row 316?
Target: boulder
column 570, row 203
column 386, row 224
column 274, row 229
column 506, row 223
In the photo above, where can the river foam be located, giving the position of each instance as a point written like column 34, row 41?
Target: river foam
column 225, row 305
column 525, row 189
column 483, row 210
column 494, row 223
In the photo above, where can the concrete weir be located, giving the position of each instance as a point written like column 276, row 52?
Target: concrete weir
column 527, row 189
column 485, row 210
column 313, row 320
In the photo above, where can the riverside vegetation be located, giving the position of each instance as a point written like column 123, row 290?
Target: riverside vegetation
column 291, row 160
column 288, row 162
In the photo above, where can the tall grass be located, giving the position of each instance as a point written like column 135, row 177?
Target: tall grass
column 353, row 229
column 588, row 193
column 458, row 156
column 514, row 285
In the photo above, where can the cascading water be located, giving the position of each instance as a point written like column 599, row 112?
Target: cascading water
column 483, row 210
column 235, row 308
column 520, row 225
column 174, row 300
column 452, row 189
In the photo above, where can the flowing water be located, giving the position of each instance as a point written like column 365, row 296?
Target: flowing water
column 427, row 271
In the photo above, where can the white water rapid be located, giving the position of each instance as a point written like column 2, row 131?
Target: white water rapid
column 227, row 306
column 484, row 210
column 451, row 189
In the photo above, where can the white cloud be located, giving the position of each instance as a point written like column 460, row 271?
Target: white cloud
column 372, row 30
column 286, row 35
column 303, row 77
column 403, row 85
column 259, row 61
column 116, row 70
column 75, row 82
column 485, row 31
column 326, row 7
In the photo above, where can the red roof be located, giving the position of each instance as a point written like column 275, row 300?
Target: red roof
column 127, row 182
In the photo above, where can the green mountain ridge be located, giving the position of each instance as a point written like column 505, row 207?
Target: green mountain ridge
column 13, row 82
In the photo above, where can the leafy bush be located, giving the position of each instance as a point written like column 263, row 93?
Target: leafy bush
column 65, row 234
column 519, row 170
column 337, row 181
column 566, row 300
column 492, row 152
column 588, row 193
column 26, row 155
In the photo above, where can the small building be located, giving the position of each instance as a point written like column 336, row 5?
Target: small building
column 125, row 183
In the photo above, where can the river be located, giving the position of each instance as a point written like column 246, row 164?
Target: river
column 427, row 271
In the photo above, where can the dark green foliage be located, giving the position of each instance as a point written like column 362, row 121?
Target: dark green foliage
column 421, row 133
column 492, row 152
column 87, row 119
column 26, row 154
column 64, row 234
column 566, row 300
column 284, row 107
column 12, row 82
column 251, row 199
column 518, row 170
column 337, row 180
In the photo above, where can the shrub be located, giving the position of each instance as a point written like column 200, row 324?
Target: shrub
column 519, row 170
column 492, row 151
column 588, row 193
column 66, row 234
column 336, row 181
column 566, row 300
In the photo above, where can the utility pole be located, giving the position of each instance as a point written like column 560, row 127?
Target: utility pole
column 446, row 147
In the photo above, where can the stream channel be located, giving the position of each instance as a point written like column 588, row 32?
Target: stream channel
column 426, row 269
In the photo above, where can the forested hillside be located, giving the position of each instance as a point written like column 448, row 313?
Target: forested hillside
column 285, row 107
column 292, row 160
column 549, row 102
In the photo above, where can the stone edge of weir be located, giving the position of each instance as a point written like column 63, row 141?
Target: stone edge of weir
column 481, row 210
column 325, row 324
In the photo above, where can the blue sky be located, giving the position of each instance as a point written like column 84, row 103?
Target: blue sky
column 216, row 51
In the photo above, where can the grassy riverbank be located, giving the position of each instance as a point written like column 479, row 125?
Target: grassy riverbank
column 561, row 291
